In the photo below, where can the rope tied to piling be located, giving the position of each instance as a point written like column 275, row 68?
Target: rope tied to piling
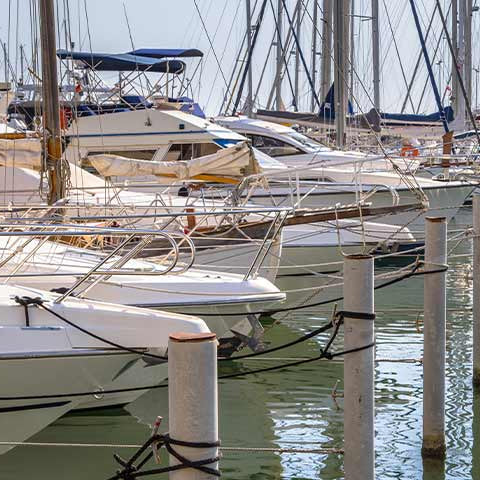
column 338, row 321
column 325, row 354
column 131, row 471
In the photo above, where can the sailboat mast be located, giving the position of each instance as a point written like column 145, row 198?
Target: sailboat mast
column 455, row 89
column 341, row 24
column 461, row 58
column 352, row 49
column 326, row 48
column 468, row 48
column 278, row 75
column 376, row 56
column 22, row 54
column 249, row 102
column 314, row 53
column 297, row 54
column 51, row 112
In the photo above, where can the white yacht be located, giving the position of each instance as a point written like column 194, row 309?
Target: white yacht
column 320, row 176
column 45, row 362
column 224, row 300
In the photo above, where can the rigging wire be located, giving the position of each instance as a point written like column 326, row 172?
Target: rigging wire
column 211, row 44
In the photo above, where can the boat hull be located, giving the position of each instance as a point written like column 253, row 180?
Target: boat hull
column 47, row 374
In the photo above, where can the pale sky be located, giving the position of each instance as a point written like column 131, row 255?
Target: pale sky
column 171, row 24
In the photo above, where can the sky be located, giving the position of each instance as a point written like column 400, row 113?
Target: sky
column 117, row 25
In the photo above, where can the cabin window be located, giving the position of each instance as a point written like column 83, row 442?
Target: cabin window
column 273, row 146
column 187, row 151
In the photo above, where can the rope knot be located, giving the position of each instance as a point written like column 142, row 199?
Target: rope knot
column 26, row 301
column 326, row 354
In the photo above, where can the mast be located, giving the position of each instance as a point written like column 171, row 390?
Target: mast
column 341, row 23
column 278, row 75
column 417, row 64
column 460, row 103
column 5, row 62
column 352, row 49
column 314, row 53
column 376, row 56
column 468, row 49
column 455, row 89
column 297, row 54
column 249, row 101
column 285, row 47
column 429, row 66
column 51, row 113
column 21, row 79
column 326, row 48
column 460, row 80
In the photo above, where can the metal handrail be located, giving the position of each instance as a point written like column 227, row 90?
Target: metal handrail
column 119, row 262
column 130, row 255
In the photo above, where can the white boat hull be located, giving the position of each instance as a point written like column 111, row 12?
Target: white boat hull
column 46, row 375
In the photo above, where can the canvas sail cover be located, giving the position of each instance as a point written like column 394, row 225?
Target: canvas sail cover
column 236, row 161
column 21, row 153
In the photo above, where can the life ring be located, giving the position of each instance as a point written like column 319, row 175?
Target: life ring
column 409, row 151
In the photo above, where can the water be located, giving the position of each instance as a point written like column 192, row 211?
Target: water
column 294, row 408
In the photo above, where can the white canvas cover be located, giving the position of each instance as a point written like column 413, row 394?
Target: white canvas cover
column 235, row 161
column 21, row 153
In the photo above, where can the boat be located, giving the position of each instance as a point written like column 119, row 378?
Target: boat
column 45, row 361
column 224, row 300
column 322, row 176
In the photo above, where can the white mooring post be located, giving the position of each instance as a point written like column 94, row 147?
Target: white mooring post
column 193, row 399
column 476, row 291
column 359, row 402
column 434, row 320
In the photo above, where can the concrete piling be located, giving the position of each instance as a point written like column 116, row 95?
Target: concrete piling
column 433, row 444
column 359, row 402
column 193, row 399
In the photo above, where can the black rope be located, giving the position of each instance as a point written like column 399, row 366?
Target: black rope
column 130, row 471
column 324, row 353
column 39, row 302
column 301, row 339
column 25, row 305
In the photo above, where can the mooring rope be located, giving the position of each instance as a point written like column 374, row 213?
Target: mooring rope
column 286, row 450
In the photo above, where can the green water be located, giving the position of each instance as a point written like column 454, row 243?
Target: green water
column 295, row 408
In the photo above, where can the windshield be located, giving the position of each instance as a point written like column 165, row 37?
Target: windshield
column 306, row 142
column 265, row 161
